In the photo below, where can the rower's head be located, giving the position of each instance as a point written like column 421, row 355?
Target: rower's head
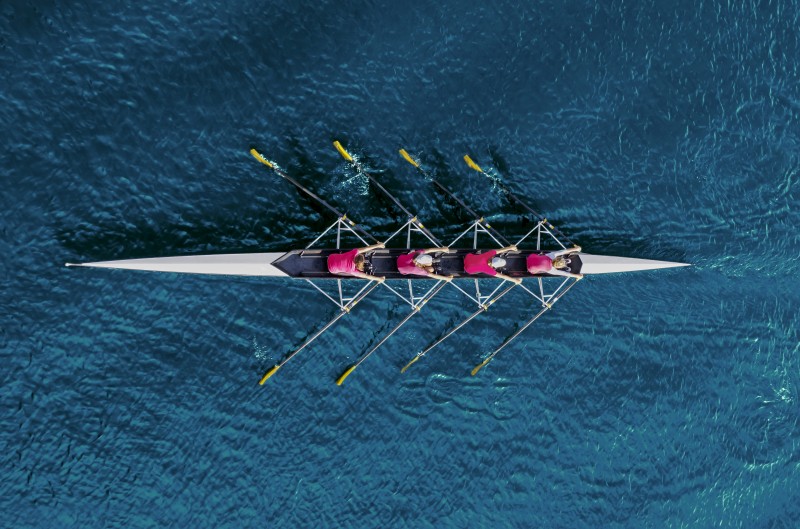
column 359, row 262
column 561, row 262
column 497, row 262
column 423, row 260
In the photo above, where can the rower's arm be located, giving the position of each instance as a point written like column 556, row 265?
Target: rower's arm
column 362, row 275
column 370, row 248
column 444, row 249
column 565, row 251
column 508, row 278
column 512, row 248
column 557, row 272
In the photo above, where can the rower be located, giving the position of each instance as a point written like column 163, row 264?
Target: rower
column 420, row 263
column 488, row 263
column 352, row 263
column 553, row 263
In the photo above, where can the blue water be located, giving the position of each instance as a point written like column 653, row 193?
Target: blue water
column 659, row 130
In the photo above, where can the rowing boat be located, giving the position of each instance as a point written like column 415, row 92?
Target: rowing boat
column 310, row 263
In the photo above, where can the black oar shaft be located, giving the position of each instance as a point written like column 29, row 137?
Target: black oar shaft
column 519, row 331
column 345, row 311
column 413, row 218
column 410, row 315
column 477, row 217
column 313, row 337
column 513, row 198
column 308, row 342
column 419, row 225
column 385, row 191
column 449, row 193
column 472, row 316
column 310, row 193
column 522, row 329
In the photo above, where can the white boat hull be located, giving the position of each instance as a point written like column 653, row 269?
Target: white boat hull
column 607, row 264
column 244, row 264
column 260, row 264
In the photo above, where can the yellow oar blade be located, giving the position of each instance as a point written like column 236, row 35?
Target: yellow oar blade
column 268, row 374
column 410, row 363
column 257, row 155
column 480, row 366
column 344, row 153
column 408, row 158
column 345, row 375
column 472, row 164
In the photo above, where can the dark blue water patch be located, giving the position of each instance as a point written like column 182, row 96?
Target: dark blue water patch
column 650, row 400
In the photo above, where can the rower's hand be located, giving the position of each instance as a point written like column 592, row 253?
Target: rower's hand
column 446, row 249
column 517, row 280
column 380, row 245
column 448, row 278
column 514, row 248
column 576, row 248
column 380, row 279
column 578, row 276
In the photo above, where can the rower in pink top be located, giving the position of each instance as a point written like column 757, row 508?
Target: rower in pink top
column 352, row 263
column 488, row 263
column 420, row 263
column 553, row 263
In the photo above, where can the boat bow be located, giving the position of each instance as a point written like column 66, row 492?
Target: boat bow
column 608, row 264
column 234, row 264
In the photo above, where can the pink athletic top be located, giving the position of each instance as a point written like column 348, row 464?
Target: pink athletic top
column 478, row 263
column 539, row 264
column 406, row 266
column 343, row 263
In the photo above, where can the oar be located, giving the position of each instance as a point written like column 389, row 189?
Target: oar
column 345, row 310
column 412, row 218
column 484, row 308
column 478, row 218
column 530, row 322
column 514, row 199
column 272, row 165
column 416, row 310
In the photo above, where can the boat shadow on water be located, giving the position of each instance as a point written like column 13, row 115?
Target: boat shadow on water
column 143, row 238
